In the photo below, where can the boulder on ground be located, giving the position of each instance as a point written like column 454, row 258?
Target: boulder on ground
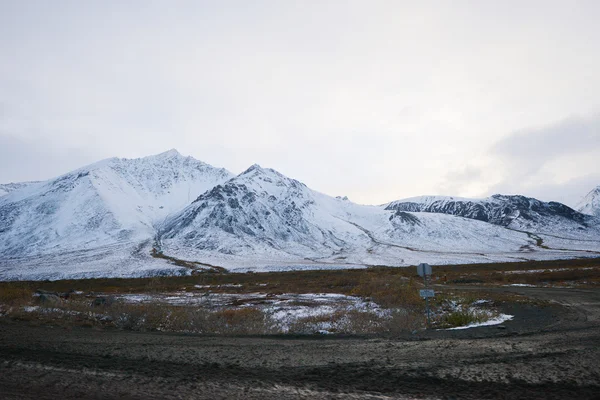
column 48, row 298
column 103, row 301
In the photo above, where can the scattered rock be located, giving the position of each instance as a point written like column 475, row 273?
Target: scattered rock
column 46, row 293
column 41, row 291
column 48, row 298
column 103, row 301
column 66, row 295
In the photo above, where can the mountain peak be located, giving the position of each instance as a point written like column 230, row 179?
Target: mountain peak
column 266, row 174
column 168, row 154
column 590, row 204
column 253, row 167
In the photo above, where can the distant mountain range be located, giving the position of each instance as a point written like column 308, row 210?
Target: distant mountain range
column 170, row 214
column 515, row 212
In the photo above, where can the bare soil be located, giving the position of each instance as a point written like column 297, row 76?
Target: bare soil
column 549, row 351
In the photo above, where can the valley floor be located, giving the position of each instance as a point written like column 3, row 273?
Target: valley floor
column 549, row 350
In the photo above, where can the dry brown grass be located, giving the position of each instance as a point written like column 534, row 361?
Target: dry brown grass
column 147, row 317
column 244, row 321
column 403, row 320
column 330, row 281
column 347, row 322
column 461, row 318
column 395, row 289
column 389, row 291
column 15, row 296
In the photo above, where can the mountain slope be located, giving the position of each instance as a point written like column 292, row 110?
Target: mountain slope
column 264, row 220
column 514, row 212
column 106, row 219
column 590, row 204
column 114, row 203
column 254, row 212
column 6, row 188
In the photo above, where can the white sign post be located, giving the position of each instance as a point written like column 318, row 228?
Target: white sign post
column 424, row 270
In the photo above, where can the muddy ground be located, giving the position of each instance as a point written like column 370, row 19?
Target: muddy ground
column 549, row 351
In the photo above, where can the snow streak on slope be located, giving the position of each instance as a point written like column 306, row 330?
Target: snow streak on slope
column 590, row 204
column 112, row 204
column 6, row 188
column 264, row 220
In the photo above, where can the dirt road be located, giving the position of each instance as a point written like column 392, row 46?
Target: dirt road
column 545, row 352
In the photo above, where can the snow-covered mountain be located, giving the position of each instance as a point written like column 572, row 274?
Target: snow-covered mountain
column 590, row 204
column 262, row 219
column 107, row 218
column 6, row 188
column 115, row 203
column 515, row 212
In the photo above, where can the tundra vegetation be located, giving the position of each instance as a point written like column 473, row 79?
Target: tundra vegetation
column 373, row 301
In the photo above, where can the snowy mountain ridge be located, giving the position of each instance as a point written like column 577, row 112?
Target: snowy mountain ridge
column 511, row 211
column 264, row 220
column 106, row 219
column 590, row 204
column 114, row 202
column 6, row 188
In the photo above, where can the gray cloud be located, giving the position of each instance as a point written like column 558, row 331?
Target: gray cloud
column 456, row 180
column 527, row 151
column 569, row 192
column 558, row 162
column 374, row 100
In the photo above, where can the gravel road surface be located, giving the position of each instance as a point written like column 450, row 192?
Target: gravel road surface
column 546, row 352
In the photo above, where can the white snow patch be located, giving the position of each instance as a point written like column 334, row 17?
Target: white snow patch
column 537, row 271
column 284, row 310
column 520, row 285
column 494, row 321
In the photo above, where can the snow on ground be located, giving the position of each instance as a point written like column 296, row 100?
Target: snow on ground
column 115, row 261
column 539, row 271
column 520, row 285
column 320, row 312
column 283, row 310
column 493, row 321
column 573, row 241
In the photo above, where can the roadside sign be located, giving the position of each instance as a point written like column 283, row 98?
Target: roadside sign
column 423, row 269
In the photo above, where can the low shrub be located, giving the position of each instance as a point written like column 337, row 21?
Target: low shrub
column 15, row 296
column 343, row 321
column 238, row 321
column 389, row 291
column 463, row 317
column 405, row 320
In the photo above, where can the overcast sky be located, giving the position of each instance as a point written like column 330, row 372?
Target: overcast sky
column 376, row 100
